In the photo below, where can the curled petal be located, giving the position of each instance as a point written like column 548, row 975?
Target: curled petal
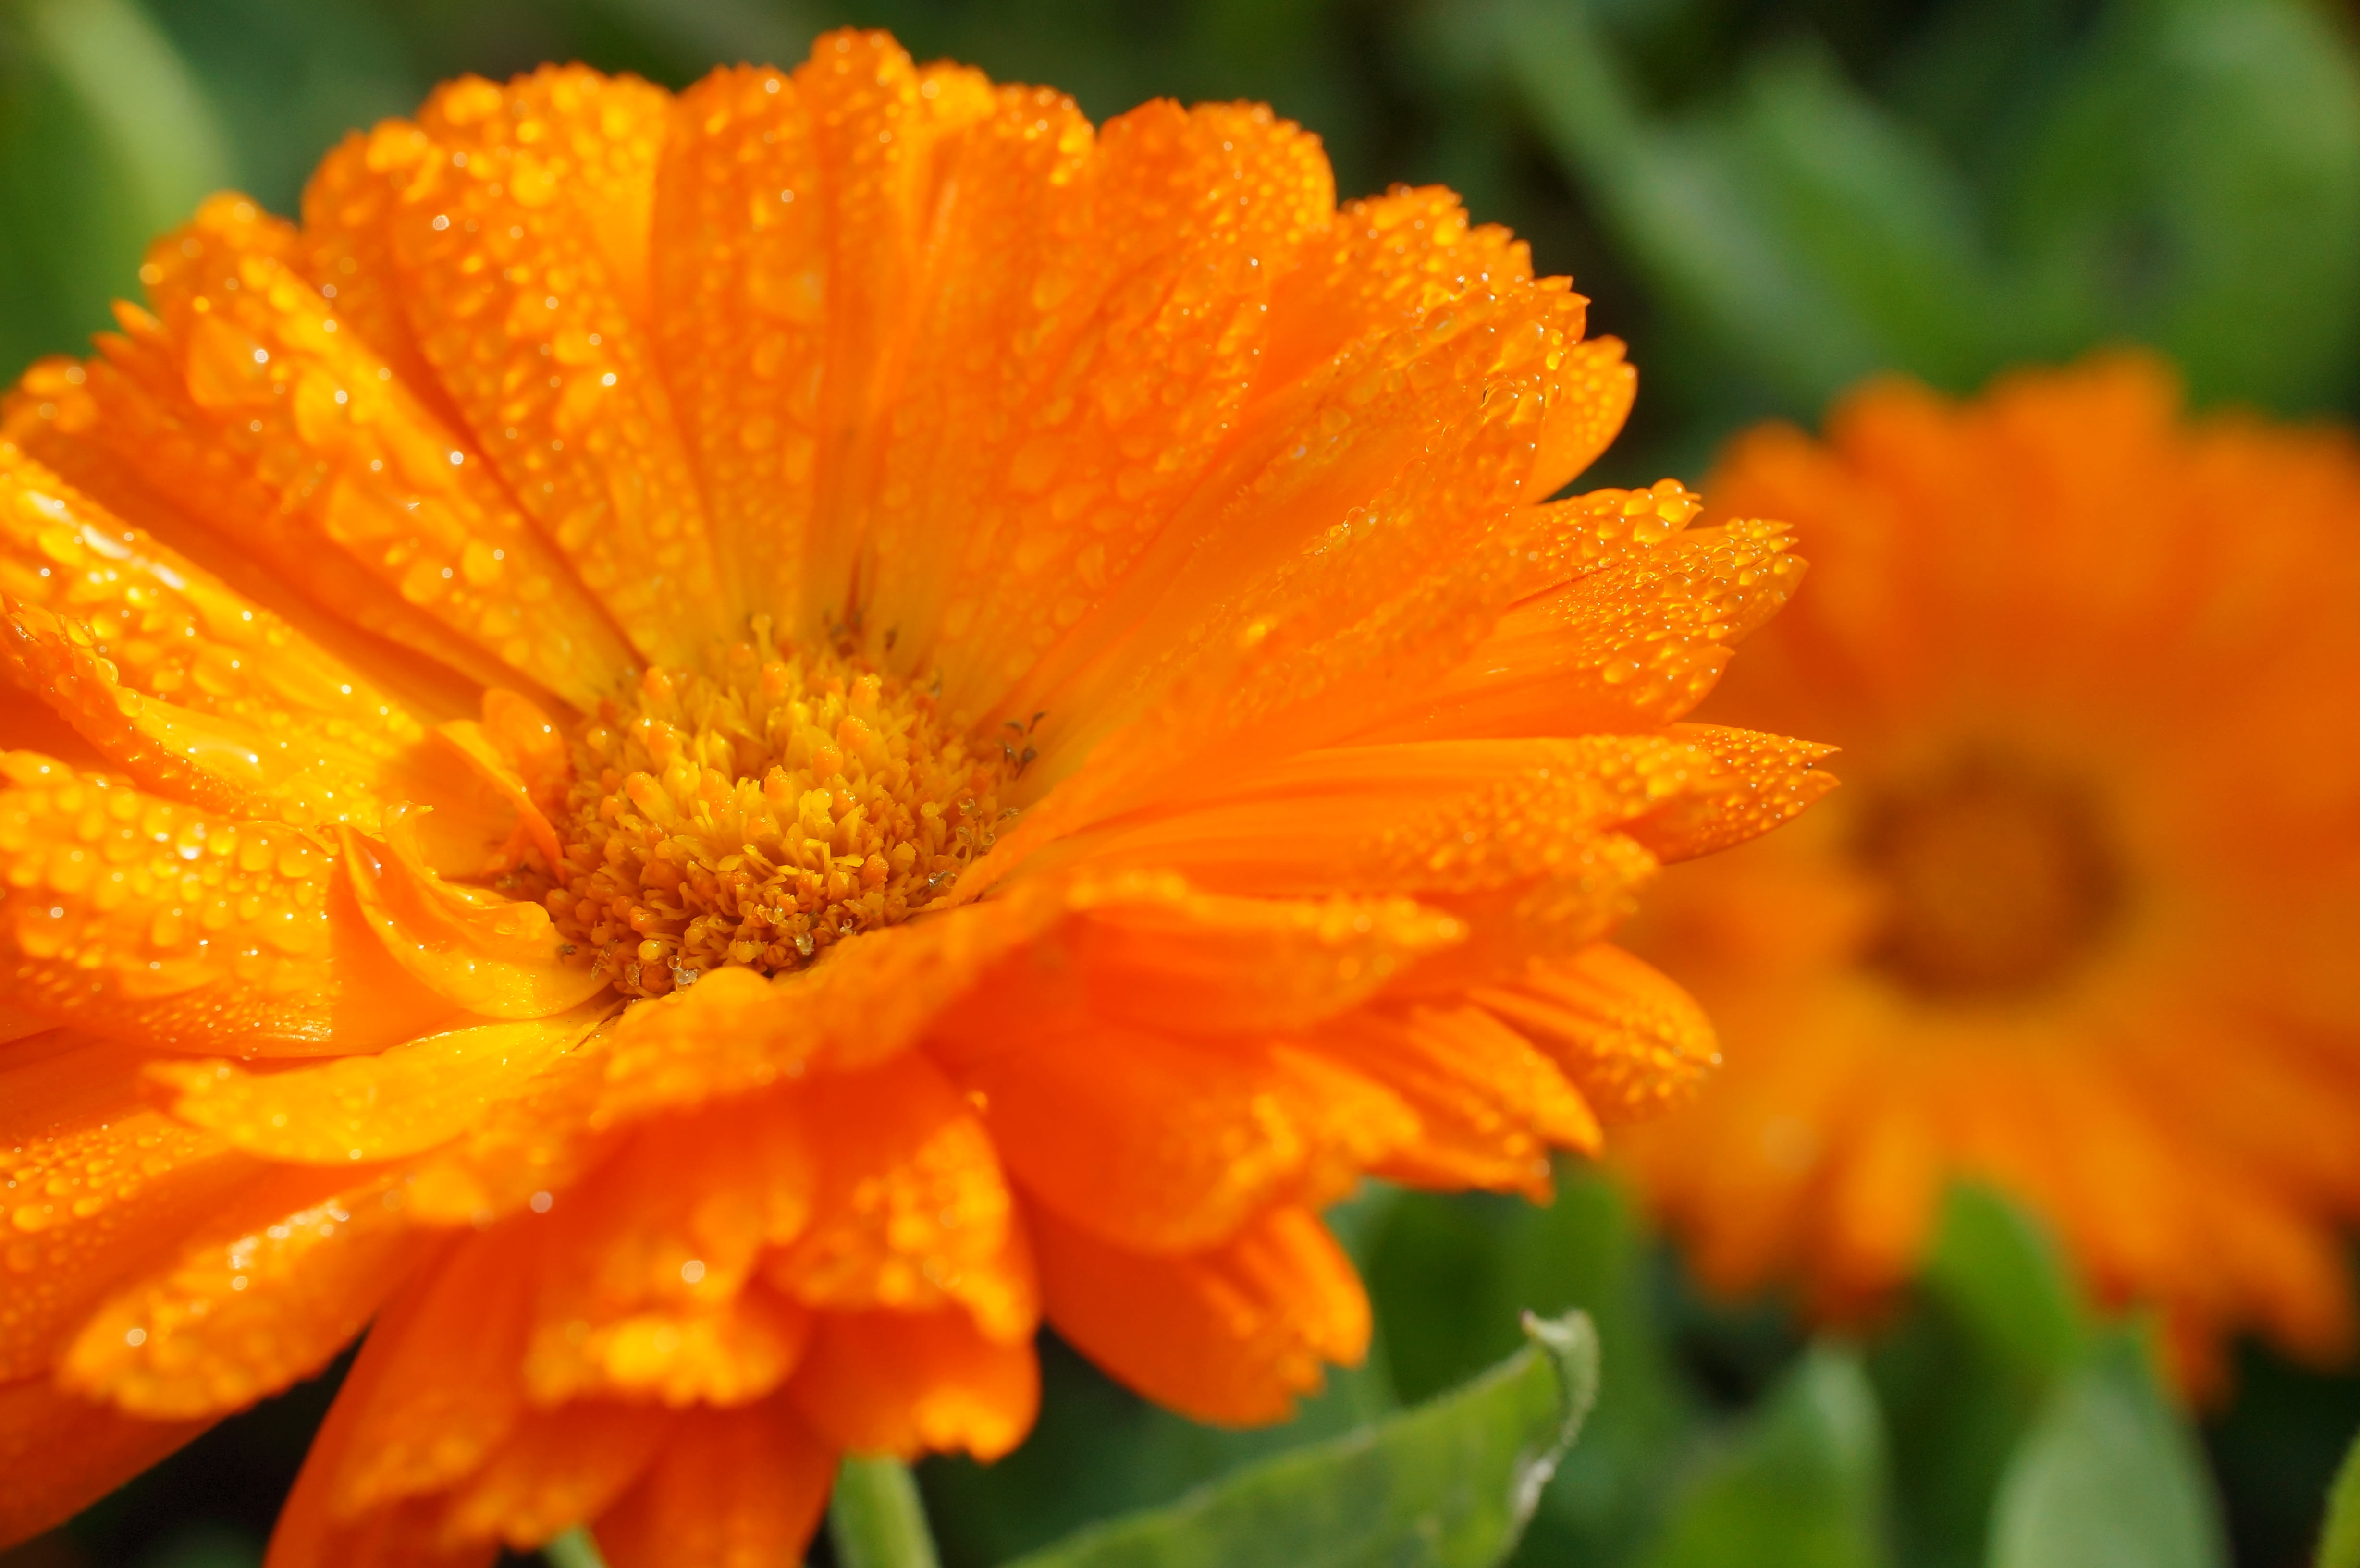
column 144, row 918
column 497, row 956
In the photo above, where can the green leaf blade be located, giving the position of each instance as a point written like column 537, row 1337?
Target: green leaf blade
column 1448, row 1485
column 2108, row 1475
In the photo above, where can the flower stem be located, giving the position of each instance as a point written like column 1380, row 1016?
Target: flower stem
column 875, row 1518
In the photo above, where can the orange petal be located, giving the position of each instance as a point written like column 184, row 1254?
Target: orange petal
column 1632, row 1040
column 521, row 235
column 912, row 1383
column 1603, row 529
column 192, row 667
column 1457, row 816
column 498, row 956
column 443, row 1388
column 662, row 1239
column 315, row 1530
column 1749, row 783
column 132, row 437
column 268, row 1299
column 725, row 1353
column 1585, row 411
column 98, row 1184
column 352, row 460
column 1488, row 1107
column 1163, row 1145
column 1154, row 952
column 870, row 999
column 59, row 1454
column 1229, row 1335
column 1384, row 263
column 912, row 1212
column 404, row 1100
column 558, row 1468
column 532, row 1143
column 816, row 191
column 729, row 1488
column 1141, row 268
column 343, row 248
column 1624, row 649
column 134, row 916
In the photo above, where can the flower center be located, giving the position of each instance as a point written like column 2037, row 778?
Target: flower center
column 758, row 811
column 2000, row 879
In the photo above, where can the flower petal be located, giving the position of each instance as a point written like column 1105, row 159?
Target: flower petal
column 139, row 917
column 402, row 1101
column 729, row 1487
column 1489, row 1107
column 98, row 1184
column 1165, row 1145
column 1629, row 1039
column 547, row 349
column 265, row 1301
column 556, row 1468
column 59, row 1454
column 912, row 1212
column 1623, row 649
column 498, row 956
column 1229, row 1335
column 909, row 1383
column 724, row 1353
column 871, row 999
column 442, row 1388
column 178, row 649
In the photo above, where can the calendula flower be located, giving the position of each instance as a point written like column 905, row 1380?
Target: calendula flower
column 702, row 754
column 2082, row 924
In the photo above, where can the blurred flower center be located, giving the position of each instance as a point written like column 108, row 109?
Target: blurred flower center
column 760, row 810
column 1998, row 879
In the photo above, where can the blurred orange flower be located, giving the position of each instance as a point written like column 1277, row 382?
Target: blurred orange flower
column 703, row 753
column 2082, row 922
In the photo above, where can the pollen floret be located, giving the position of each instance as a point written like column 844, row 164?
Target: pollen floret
column 759, row 811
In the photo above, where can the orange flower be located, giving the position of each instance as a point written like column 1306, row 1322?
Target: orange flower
column 745, row 741
column 2083, row 923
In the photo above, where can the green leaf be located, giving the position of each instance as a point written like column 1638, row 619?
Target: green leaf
column 1448, row 1484
column 105, row 139
column 1964, row 1372
column 1801, row 1486
column 2109, row 1475
column 2198, row 188
column 2339, row 1536
column 574, row 1548
column 1446, row 1274
column 1999, row 1267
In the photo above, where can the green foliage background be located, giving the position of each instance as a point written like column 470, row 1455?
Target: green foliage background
column 1769, row 198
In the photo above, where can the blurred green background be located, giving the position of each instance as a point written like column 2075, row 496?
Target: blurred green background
column 1769, row 200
